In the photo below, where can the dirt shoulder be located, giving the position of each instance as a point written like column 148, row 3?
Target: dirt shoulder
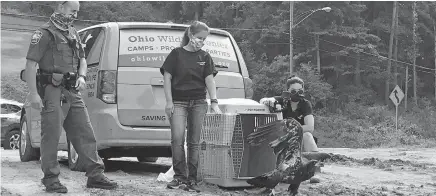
column 350, row 172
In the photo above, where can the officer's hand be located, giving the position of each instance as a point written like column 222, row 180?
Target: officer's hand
column 80, row 84
column 35, row 101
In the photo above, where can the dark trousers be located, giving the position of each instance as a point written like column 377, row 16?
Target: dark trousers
column 188, row 114
column 73, row 116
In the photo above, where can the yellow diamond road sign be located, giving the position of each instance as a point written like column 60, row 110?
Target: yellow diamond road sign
column 396, row 95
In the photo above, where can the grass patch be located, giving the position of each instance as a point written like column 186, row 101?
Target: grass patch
column 360, row 126
column 13, row 88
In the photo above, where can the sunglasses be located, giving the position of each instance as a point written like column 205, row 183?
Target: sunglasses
column 298, row 91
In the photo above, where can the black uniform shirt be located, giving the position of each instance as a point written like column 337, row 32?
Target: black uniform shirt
column 41, row 48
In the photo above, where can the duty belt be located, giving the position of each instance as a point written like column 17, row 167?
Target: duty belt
column 67, row 80
column 43, row 78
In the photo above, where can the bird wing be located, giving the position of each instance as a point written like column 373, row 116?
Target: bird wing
column 287, row 146
column 264, row 132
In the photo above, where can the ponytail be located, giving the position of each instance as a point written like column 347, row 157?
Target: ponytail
column 193, row 29
column 185, row 39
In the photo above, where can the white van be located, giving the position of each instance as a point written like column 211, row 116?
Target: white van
column 124, row 94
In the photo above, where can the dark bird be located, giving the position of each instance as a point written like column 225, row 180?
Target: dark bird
column 291, row 168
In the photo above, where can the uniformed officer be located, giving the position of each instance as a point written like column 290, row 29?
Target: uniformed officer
column 57, row 49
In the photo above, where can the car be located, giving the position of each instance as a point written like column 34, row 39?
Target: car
column 10, row 123
column 124, row 89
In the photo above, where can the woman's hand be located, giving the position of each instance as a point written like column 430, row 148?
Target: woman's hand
column 169, row 109
column 215, row 109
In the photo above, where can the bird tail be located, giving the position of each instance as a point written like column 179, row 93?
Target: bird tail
column 258, row 181
column 268, row 180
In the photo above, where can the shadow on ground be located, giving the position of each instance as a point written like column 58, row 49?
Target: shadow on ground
column 129, row 166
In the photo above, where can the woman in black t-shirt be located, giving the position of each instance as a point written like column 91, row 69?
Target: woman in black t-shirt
column 298, row 108
column 188, row 71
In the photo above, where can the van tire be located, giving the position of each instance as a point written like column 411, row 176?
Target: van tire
column 27, row 152
column 143, row 159
column 74, row 162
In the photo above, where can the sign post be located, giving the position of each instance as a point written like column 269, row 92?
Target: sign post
column 396, row 97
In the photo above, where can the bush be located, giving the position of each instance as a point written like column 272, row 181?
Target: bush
column 271, row 81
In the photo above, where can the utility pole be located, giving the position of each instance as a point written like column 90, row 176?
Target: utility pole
column 357, row 80
column 396, row 48
column 434, row 31
column 391, row 41
column 406, row 87
column 291, row 40
column 318, row 58
column 415, row 42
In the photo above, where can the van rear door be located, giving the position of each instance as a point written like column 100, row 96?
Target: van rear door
column 140, row 94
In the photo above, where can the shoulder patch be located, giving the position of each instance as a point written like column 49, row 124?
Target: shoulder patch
column 36, row 37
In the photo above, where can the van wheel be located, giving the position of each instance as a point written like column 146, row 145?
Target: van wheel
column 147, row 159
column 74, row 162
column 27, row 152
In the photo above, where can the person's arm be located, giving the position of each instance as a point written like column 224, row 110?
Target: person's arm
column 269, row 101
column 39, row 44
column 309, row 120
column 209, row 73
column 167, row 70
column 30, row 75
column 211, row 86
column 167, row 87
column 309, row 123
column 83, row 66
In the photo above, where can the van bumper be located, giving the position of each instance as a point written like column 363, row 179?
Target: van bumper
column 110, row 133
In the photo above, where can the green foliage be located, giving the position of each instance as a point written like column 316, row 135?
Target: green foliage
column 271, row 80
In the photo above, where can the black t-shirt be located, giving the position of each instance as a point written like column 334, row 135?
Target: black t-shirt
column 304, row 108
column 189, row 71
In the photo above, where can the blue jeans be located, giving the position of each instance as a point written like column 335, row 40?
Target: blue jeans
column 190, row 115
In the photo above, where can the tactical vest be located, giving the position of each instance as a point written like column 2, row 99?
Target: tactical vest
column 65, row 52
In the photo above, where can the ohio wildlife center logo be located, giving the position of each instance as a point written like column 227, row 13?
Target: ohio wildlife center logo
column 36, row 37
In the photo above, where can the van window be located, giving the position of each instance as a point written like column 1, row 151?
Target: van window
column 92, row 40
column 150, row 47
column 14, row 108
column 4, row 108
